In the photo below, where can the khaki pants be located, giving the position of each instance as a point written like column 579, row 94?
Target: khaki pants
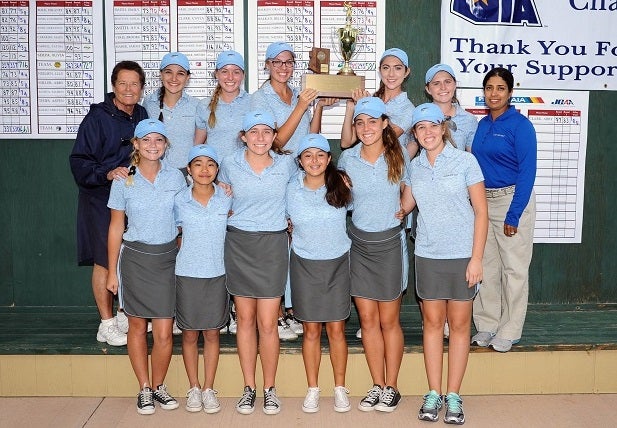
column 501, row 305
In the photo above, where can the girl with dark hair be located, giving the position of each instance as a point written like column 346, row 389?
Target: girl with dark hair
column 172, row 105
column 505, row 145
column 317, row 202
column 379, row 260
column 394, row 71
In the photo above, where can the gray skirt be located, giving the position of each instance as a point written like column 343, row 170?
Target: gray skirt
column 320, row 289
column 442, row 279
column 147, row 279
column 256, row 263
column 201, row 303
column 377, row 264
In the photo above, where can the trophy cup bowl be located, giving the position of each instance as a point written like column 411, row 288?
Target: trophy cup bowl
column 347, row 42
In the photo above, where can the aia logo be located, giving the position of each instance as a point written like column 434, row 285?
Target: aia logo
column 497, row 12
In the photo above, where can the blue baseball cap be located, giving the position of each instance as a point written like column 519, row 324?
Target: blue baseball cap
column 203, row 150
column 399, row 53
column 316, row 141
column 427, row 112
column 436, row 69
column 176, row 58
column 229, row 58
column 274, row 49
column 148, row 126
column 373, row 106
column 253, row 118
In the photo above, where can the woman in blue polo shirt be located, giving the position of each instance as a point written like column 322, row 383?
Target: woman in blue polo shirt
column 201, row 212
column 173, row 106
column 394, row 71
column 379, row 260
column 505, row 145
column 317, row 202
column 446, row 184
column 142, row 258
column 256, row 251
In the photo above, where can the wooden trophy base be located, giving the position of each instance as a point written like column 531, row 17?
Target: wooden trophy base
column 333, row 85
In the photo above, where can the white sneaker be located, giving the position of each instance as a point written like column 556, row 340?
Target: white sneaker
column 233, row 326
column 193, row 400
column 149, row 328
column 359, row 333
column 446, row 330
column 285, row 332
column 111, row 334
column 294, row 325
column 341, row 400
column 122, row 322
column 311, row 401
column 210, row 402
column 176, row 330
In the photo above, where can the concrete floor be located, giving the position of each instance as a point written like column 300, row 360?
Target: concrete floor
column 528, row 411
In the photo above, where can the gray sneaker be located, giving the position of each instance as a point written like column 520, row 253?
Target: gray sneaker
column 341, row 399
column 210, row 402
column 431, row 407
column 454, row 409
column 501, row 345
column 482, row 338
column 193, row 400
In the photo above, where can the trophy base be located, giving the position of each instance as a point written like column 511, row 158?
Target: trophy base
column 333, row 85
column 349, row 72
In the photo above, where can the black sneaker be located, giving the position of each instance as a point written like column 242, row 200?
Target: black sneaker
column 165, row 400
column 246, row 404
column 389, row 399
column 145, row 405
column 454, row 409
column 369, row 402
column 272, row 404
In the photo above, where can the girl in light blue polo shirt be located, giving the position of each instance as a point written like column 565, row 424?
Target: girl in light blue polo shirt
column 441, row 89
column 142, row 258
column 173, row 106
column 256, row 251
column 394, row 71
column 202, row 302
column 219, row 117
column 446, row 184
column 379, row 261
column 317, row 201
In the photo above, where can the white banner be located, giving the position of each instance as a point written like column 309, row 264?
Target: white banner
column 547, row 44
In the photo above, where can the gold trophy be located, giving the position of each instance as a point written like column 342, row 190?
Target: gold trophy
column 347, row 40
column 342, row 84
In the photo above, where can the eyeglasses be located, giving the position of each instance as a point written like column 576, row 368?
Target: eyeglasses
column 451, row 123
column 277, row 63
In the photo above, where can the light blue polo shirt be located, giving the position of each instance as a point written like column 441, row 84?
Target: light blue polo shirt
column 466, row 125
column 148, row 206
column 319, row 229
column 375, row 199
column 445, row 215
column 265, row 99
column 258, row 199
column 203, row 233
column 224, row 137
column 180, row 125
column 399, row 109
